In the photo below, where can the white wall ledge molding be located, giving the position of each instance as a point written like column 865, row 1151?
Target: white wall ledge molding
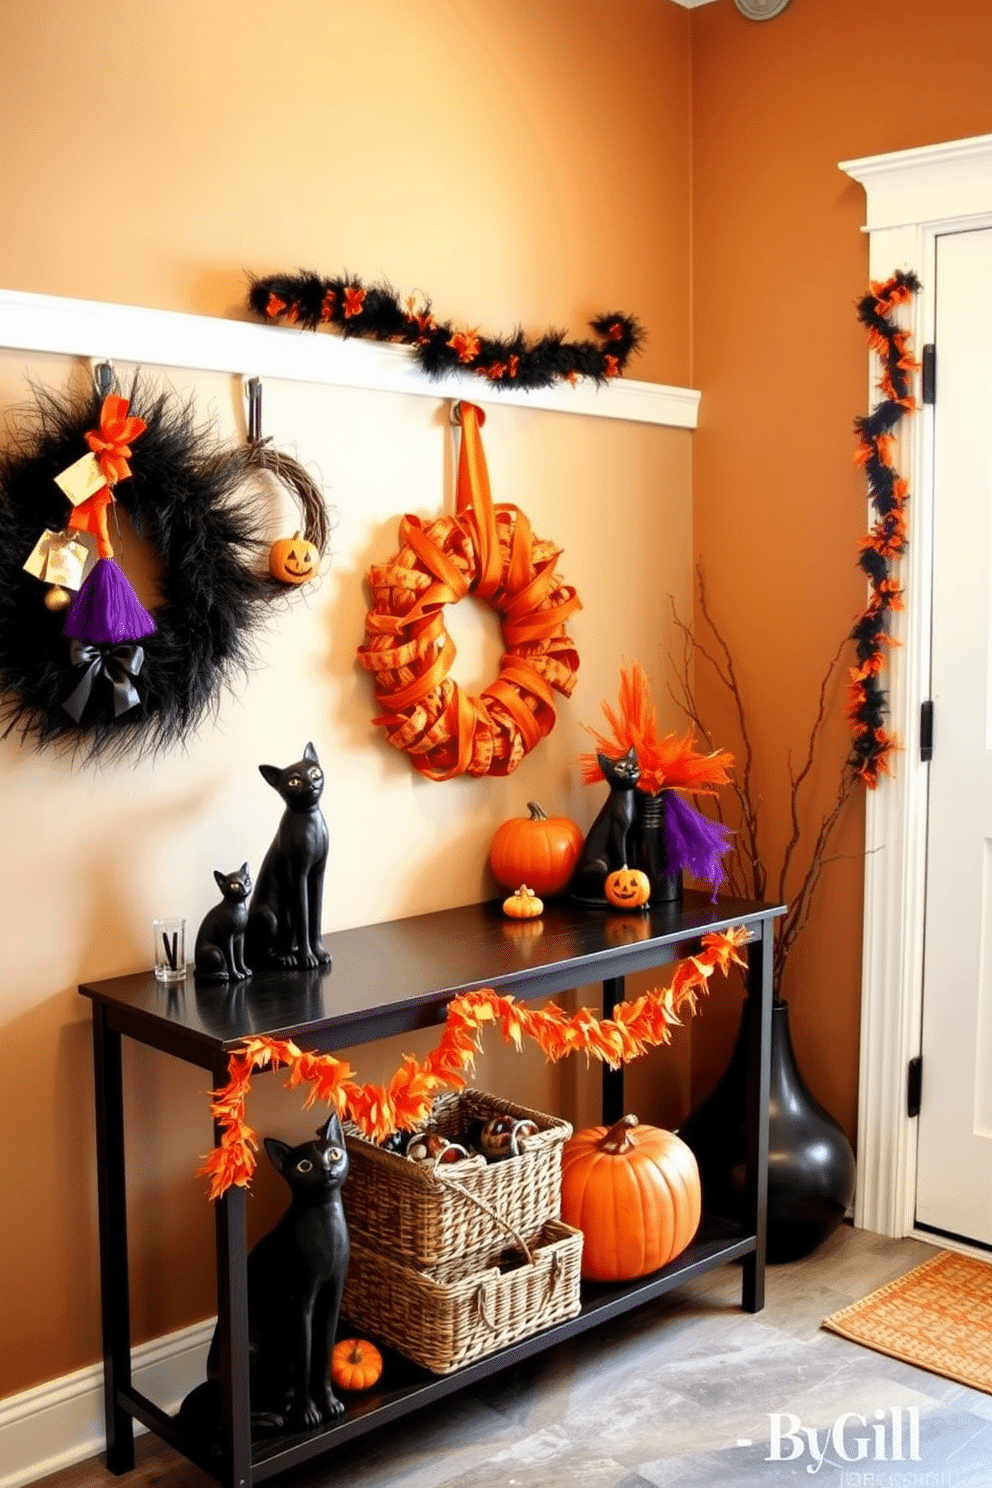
column 201, row 343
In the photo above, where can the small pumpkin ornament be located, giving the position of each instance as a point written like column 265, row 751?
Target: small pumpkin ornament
column 627, row 888
column 634, row 1193
column 537, row 849
column 356, row 1364
column 523, row 904
column 293, row 560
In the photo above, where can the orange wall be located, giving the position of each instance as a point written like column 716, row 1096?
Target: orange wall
column 778, row 262
column 524, row 165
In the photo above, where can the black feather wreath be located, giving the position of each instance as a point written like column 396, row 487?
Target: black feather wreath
column 886, row 541
column 180, row 498
column 376, row 313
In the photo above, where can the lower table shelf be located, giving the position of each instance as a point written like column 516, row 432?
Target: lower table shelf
column 408, row 1387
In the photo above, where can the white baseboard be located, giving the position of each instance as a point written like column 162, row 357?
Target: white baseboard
column 59, row 1423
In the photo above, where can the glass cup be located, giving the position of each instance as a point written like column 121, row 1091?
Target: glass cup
column 170, row 949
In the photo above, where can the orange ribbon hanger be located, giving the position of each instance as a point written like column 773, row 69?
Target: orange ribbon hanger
column 111, row 442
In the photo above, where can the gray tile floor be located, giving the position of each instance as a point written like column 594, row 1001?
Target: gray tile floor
column 687, row 1391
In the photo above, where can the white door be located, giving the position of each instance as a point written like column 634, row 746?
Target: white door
column 954, row 1162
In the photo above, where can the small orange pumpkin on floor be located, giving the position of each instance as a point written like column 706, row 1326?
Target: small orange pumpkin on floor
column 356, row 1364
column 634, row 1193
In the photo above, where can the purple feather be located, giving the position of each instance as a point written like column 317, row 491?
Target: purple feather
column 693, row 842
column 106, row 610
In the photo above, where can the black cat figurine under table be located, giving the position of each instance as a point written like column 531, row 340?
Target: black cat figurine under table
column 220, row 940
column 285, row 911
column 296, row 1276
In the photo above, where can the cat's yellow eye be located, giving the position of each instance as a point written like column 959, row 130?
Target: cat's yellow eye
column 335, row 1154
column 304, row 1165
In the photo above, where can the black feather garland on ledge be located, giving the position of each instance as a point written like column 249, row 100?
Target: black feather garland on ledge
column 376, row 313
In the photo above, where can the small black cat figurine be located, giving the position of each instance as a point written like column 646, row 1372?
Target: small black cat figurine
column 284, row 915
column 605, row 848
column 220, row 940
column 295, row 1279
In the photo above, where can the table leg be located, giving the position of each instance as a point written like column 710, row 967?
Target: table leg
column 613, row 992
column 111, row 1197
column 759, row 990
column 232, row 1332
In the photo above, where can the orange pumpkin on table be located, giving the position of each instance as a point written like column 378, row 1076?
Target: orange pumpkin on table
column 538, row 849
column 634, row 1193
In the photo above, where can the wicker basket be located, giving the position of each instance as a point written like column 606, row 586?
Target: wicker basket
column 460, row 1214
column 443, row 1325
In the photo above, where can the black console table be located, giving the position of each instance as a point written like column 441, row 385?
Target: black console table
column 389, row 979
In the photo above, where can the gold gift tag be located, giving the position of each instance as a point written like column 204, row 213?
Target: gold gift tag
column 81, row 480
column 57, row 558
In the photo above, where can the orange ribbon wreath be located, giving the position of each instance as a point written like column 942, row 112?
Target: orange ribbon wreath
column 405, row 1103
column 488, row 551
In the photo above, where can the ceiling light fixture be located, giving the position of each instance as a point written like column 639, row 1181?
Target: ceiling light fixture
column 760, row 10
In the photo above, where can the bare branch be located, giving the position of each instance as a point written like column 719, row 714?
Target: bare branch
column 797, row 780
column 746, row 875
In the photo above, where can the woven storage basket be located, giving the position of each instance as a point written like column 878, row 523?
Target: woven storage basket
column 443, row 1325
column 425, row 1221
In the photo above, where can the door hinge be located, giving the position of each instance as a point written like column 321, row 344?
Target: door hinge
column 926, row 730
column 929, row 379
column 914, row 1085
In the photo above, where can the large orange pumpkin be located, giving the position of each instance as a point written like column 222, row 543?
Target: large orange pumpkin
column 539, row 850
column 634, row 1193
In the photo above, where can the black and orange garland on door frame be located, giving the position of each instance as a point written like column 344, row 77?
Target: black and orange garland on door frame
column 376, row 313
column 885, row 543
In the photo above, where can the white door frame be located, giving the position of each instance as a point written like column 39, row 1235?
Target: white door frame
column 912, row 197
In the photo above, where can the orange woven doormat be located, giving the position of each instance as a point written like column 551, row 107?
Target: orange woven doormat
column 938, row 1317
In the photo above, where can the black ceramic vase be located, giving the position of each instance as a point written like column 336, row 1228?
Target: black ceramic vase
column 810, row 1161
column 650, row 849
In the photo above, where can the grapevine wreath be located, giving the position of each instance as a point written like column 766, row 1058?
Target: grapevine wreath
column 105, row 676
column 488, row 551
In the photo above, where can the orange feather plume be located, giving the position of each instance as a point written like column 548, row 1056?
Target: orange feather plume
column 669, row 763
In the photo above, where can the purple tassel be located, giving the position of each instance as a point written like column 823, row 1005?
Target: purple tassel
column 693, row 842
column 106, row 611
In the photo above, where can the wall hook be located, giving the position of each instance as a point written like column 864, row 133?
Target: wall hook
column 253, row 392
column 104, row 378
column 456, row 411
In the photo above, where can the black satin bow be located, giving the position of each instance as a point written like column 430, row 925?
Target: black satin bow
column 118, row 664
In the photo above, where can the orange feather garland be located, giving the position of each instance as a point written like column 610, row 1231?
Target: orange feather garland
column 405, row 1102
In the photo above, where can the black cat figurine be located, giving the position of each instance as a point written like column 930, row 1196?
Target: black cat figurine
column 605, row 848
column 295, row 1279
column 220, row 940
column 285, row 910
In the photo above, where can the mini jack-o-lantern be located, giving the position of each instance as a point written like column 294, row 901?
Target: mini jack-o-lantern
column 293, row 560
column 627, row 888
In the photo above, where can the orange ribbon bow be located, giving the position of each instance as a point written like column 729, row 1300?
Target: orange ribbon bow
column 111, row 443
